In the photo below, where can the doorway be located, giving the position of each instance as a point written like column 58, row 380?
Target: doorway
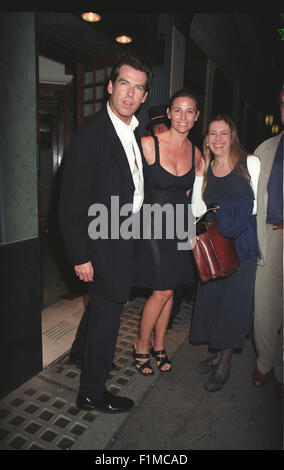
column 62, row 294
column 53, row 122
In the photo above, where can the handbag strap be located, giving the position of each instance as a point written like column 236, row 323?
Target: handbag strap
column 208, row 210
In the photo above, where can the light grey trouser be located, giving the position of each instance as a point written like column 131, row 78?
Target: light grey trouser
column 268, row 310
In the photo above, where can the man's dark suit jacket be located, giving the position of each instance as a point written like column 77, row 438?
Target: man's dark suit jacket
column 96, row 168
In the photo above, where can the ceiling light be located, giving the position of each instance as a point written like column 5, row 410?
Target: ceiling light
column 91, row 17
column 269, row 118
column 123, row 39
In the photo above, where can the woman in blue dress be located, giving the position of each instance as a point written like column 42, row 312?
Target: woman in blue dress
column 223, row 308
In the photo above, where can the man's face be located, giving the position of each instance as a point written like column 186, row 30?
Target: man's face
column 127, row 93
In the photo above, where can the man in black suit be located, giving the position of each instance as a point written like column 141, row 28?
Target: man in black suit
column 103, row 161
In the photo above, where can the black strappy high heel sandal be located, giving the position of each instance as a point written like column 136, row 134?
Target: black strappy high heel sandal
column 140, row 365
column 162, row 360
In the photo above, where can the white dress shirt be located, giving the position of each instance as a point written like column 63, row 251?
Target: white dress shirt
column 126, row 135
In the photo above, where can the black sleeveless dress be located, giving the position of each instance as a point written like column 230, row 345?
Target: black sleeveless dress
column 163, row 263
column 223, row 308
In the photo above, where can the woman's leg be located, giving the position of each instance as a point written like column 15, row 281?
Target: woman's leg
column 224, row 364
column 161, row 329
column 219, row 377
column 155, row 308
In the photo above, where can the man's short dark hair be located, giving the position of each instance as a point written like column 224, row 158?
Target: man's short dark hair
column 136, row 64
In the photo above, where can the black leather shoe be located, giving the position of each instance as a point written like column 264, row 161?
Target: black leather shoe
column 109, row 403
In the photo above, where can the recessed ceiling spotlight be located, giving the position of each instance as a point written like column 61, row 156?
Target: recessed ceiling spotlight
column 91, row 17
column 123, row 39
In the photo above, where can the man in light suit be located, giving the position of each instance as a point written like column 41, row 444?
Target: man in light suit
column 104, row 160
column 268, row 314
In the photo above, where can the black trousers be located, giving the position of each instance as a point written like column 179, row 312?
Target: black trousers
column 95, row 343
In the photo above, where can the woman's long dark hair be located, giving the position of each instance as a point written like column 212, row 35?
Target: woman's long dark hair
column 236, row 152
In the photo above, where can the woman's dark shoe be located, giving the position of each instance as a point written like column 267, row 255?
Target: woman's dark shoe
column 259, row 378
column 142, row 365
column 207, row 366
column 162, row 359
column 216, row 382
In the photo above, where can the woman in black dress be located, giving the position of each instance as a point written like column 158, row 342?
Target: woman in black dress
column 223, row 308
column 170, row 162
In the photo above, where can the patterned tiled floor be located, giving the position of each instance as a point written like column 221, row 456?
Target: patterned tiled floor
column 41, row 413
column 27, row 425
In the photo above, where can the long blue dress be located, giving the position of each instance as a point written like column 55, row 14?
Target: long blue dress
column 223, row 308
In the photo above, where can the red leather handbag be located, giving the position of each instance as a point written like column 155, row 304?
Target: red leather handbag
column 215, row 255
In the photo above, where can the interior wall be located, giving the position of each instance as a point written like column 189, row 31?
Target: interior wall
column 177, row 61
column 18, row 127
column 160, row 89
column 20, row 319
